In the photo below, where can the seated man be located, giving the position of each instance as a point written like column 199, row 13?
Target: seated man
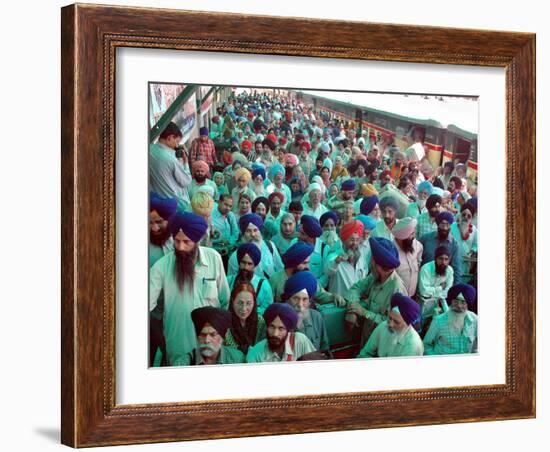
column 211, row 325
column 396, row 336
column 286, row 234
column 376, row 289
column 455, row 331
column 248, row 257
column 300, row 288
column 282, row 342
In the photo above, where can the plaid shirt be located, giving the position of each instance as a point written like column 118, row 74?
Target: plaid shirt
column 425, row 224
column 441, row 339
column 203, row 150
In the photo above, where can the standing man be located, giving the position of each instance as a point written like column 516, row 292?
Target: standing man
column 283, row 343
column 168, row 176
column 224, row 222
column 202, row 148
column 211, row 325
column 442, row 237
column 410, row 253
column 200, row 172
column 190, row 277
column 388, row 208
column 426, row 220
column 396, row 336
column 455, row 331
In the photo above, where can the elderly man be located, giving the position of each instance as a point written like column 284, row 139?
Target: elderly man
column 455, row 331
column 376, row 289
column 202, row 148
column 250, row 225
column 369, row 206
column 410, row 253
column 275, row 214
column 225, row 229
column 190, row 277
column 347, row 193
column 417, row 208
column 299, row 290
column 396, row 335
column 426, row 220
column 283, row 343
column 200, row 172
column 313, row 204
column 442, row 236
column 309, row 232
column 388, row 208
column 276, row 176
column 347, row 267
column 435, row 280
column 211, row 325
column 286, row 234
column 330, row 242
column 168, row 176
column 249, row 257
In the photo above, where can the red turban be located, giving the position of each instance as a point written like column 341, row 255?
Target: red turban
column 246, row 145
column 276, row 194
column 355, row 227
column 272, row 137
column 306, row 145
column 282, row 141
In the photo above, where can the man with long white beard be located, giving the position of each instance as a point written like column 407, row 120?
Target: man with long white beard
column 410, row 253
column 313, row 204
column 299, row 290
column 286, row 234
column 396, row 335
column 192, row 276
column 455, row 331
column 418, row 207
column 283, row 343
column 346, row 267
column 249, row 257
column 442, row 237
column 211, row 325
column 250, row 225
column 160, row 244
column 435, row 279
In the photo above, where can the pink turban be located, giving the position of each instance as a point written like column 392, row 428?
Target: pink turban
column 355, row 227
column 404, row 228
column 200, row 164
column 292, row 159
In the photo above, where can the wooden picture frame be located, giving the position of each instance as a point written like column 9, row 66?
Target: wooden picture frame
column 90, row 36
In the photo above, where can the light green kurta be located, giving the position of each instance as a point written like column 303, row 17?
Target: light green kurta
column 209, row 289
column 382, row 343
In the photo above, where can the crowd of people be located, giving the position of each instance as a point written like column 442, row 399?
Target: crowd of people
column 276, row 210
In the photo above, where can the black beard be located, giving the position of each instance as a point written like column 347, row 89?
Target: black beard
column 442, row 235
column 274, row 343
column 407, row 245
column 244, row 276
column 185, row 267
column 159, row 239
column 200, row 179
column 440, row 270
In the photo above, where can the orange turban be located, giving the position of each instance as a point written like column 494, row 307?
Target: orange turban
column 355, row 227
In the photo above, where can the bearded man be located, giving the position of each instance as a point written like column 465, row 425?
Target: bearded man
column 249, row 257
column 396, row 335
column 426, row 220
column 200, row 172
column 211, row 325
column 345, row 268
column 286, row 234
column 417, row 208
column 455, row 331
column 299, row 290
column 283, row 343
column 410, row 253
column 250, row 226
column 442, row 236
column 313, row 204
column 192, row 276
column 388, row 209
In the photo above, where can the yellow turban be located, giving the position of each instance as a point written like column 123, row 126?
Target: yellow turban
column 368, row 190
column 202, row 204
column 243, row 172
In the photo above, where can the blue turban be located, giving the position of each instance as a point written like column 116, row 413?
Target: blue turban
column 426, row 185
column 467, row 291
column 407, row 308
column 445, row 216
column 384, row 252
column 297, row 254
column 165, row 207
column 328, row 215
column 258, row 172
column 218, row 318
column 298, row 282
column 252, row 250
column 368, row 222
column 275, row 169
column 368, row 204
column 285, row 312
column 348, row 185
column 311, row 226
column 203, row 131
column 253, row 218
column 389, row 201
column 193, row 226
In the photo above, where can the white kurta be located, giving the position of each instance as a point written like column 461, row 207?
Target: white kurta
column 343, row 276
column 210, row 288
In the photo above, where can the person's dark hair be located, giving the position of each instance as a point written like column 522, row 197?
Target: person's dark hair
column 295, row 206
column 269, row 143
column 224, row 196
column 438, row 183
column 244, row 336
column 457, row 181
column 260, row 200
column 470, row 206
column 403, row 182
column 171, row 129
column 245, row 196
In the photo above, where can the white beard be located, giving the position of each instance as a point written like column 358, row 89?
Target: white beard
column 456, row 320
